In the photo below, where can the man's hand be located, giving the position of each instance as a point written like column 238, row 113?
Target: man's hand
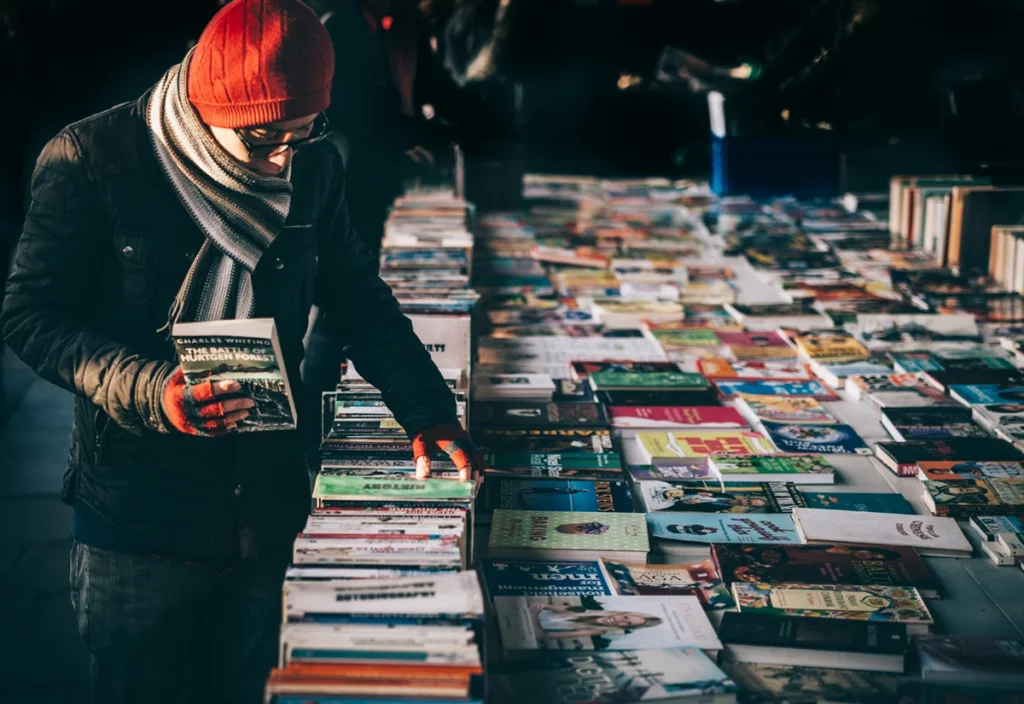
column 451, row 439
column 203, row 409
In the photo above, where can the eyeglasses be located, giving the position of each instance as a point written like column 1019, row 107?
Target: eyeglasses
column 321, row 128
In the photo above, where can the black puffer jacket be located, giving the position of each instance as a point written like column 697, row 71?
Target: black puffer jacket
column 105, row 246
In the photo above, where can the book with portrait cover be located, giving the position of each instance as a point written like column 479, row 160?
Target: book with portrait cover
column 770, row 529
column 567, row 535
column 963, row 498
column 246, row 351
column 860, row 603
column 715, row 497
column 669, row 675
column 953, row 471
column 697, row 578
column 826, row 564
column 595, row 623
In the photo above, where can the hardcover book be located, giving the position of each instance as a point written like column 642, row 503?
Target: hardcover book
column 550, row 534
column 667, row 448
column 812, row 684
column 973, row 661
column 771, row 639
column 712, row 497
column 653, row 417
column 821, row 439
column 527, row 578
column 861, row 603
column 698, row 578
column 615, row 677
column 826, row 564
column 248, row 352
column 805, row 469
column 593, row 623
column 850, row 501
column 565, row 441
column 769, row 529
column 539, row 415
column 554, row 495
column 938, row 537
column 737, row 387
column 552, row 460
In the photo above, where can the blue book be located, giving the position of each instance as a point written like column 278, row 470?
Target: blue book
column 974, row 394
column 526, row 578
column 818, row 439
column 522, row 494
column 763, row 529
column 815, row 389
column 875, row 503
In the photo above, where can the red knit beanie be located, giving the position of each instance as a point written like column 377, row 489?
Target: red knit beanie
column 261, row 61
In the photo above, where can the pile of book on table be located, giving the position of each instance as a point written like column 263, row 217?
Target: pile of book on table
column 724, row 439
column 380, row 604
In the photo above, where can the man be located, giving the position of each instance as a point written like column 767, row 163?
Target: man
column 212, row 196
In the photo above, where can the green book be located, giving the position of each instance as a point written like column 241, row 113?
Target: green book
column 806, row 469
column 684, row 381
column 697, row 338
column 575, row 534
column 552, row 460
column 341, row 486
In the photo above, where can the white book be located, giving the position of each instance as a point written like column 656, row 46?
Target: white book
column 541, row 623
column 456, row 593
column 932, row 536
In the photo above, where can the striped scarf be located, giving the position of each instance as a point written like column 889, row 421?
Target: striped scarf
column 240, row 211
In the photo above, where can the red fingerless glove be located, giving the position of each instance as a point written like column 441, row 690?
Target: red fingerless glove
column 454, row 441
column 192, row 410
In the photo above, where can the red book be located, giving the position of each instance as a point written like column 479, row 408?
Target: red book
column 657, row 417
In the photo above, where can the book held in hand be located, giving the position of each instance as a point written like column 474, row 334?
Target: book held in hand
column 248, row 352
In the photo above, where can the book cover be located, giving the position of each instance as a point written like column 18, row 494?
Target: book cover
column 671, row 674
column 662, row 448
column 245, row 351
column 674, row 417
column 928, row 415
column 736, row 387
column 554, row 495
column 770, row 370
column 860, row 603
column 527, row 578
column 992, row 663
column 556, row 472
column 756, row 345
column 902, row 457
column 977, row 394
column 808, row 685
column 559, row 530
column 699, row 579
column 822, row 439
column 829, row 346
column 784, row 409
column 678, row 380
column 783, row 631
column 539, row 415
column 566, row 441
column 657, row 397
column 911, row 362
column 330, row 486
column 989, row 527
column 931, row 536
column 964, row 497
column 772, row 468
column 552, row 460
column 850, row 501
column 771, row 529
column 582, row 370
column 861, row 384
column 595, row 623
column 697, row 470
column 713, row 497
column 825, row 564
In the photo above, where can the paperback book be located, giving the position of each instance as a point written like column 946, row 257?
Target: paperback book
column 783, row 409
column 968, row 497
column 797, row 469
column 826, row 564
column 902, row 457
column 861, row 603
column 740, row 387
column 560, row 535
column 655, row 417
column 599, row 623
column 810, row 684
column 668, row 448
column 695, row 578
column 820, row 439
column 528, row 578
column 245, row 351
column 713, row 497
column 539, row 415
column 932, row 537
column 553, row 495
column 768, row 529
column 855, row 501
column 766, row 370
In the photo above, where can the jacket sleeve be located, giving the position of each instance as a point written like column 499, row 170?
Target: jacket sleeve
column 363, row 315
column 50, row 320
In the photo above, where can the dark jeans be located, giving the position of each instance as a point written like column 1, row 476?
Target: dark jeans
column 160, row 630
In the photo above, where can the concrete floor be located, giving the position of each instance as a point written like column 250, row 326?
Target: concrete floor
column 43, row 661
